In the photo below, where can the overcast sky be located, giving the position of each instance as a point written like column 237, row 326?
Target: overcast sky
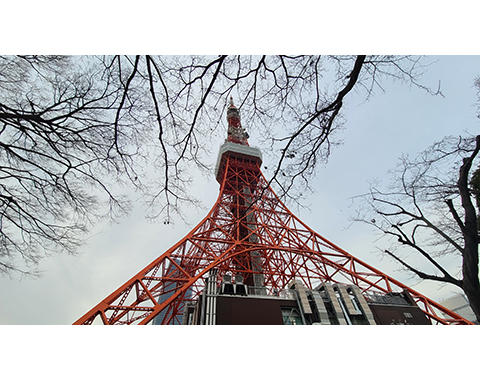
column 402, row 120
column 399, row 121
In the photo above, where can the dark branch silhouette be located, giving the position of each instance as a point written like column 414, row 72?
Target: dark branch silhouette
column 74, row 128
column 421, row 187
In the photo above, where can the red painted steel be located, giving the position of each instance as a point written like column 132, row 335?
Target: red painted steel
column 249, row 232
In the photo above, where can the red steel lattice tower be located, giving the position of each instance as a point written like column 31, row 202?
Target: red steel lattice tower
column 251, row 233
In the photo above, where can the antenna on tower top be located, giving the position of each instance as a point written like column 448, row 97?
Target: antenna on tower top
column 236, row 133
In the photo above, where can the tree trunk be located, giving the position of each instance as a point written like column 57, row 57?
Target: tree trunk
column 471, row 283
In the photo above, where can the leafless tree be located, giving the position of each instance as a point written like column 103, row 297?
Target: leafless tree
column 73, row 128
column 56, row 152
column 429, row 210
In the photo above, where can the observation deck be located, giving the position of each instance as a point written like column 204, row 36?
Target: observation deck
column 229, row 149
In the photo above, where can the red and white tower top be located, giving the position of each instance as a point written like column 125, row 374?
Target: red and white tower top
column 236, row 144
column 236, row 133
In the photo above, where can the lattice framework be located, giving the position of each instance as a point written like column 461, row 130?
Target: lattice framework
column 249, row 231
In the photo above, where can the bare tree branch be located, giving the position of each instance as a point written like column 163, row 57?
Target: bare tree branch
column 74, row 128
column 425, row 276
column 450, row 228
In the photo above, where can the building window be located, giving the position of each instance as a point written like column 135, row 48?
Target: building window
column 291, row 316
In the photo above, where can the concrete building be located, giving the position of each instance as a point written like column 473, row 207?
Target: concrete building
column 234, row 303
column 460, row 305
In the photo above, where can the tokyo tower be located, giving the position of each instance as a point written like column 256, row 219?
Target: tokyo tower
column 252, row 261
